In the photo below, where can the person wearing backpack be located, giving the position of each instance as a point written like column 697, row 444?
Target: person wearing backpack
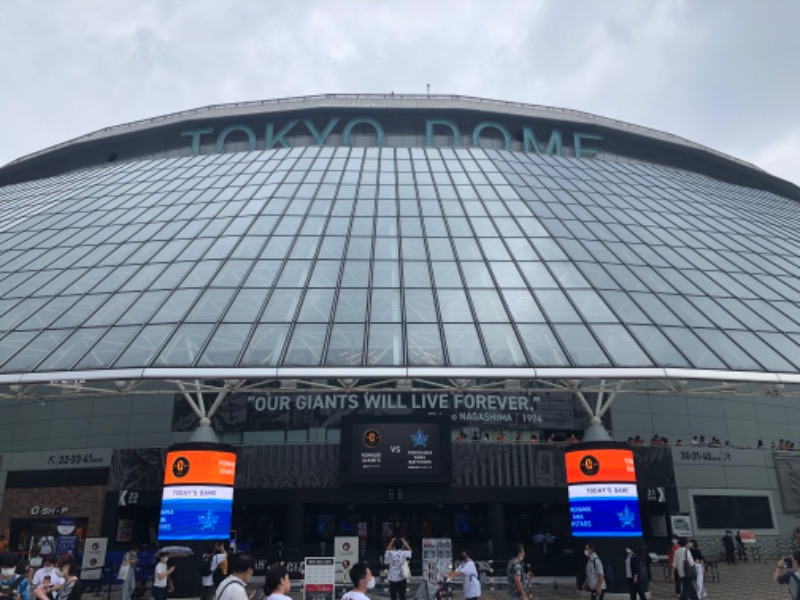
column 234, row 586
column 595, row 574
column 12, row 585
column 789, row 576
column 209, row 567
column 633, row 573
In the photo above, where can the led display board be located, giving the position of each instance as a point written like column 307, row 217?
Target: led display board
column 198, row 494
column 603, row 500
column 396, row 451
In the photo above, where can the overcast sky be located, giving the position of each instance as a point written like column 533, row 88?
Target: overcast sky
column 721, row 73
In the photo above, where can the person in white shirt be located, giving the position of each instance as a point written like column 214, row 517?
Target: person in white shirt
column 234, row 586
column 467, row 570
column 595, row 574
column 397, row 552
column 362, row 579
column 681, row 562
column 161, row 577
column 278, row 584
column 47, row 580
column 218, row 556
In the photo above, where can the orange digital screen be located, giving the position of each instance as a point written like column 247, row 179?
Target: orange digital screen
column 600, row 466
column 200, row 467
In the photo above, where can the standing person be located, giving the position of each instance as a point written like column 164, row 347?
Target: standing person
column 215, row 557
column 633, row 573
column 699, row 567
column 10, row 581
column 72, row 588
column 277, row 583
column 397, row 552
column 673, row 573
column 784, row 575
column 47, row 581
column 362, row 579
column 515, row 575
column 595, row 575
column 681, row 562
column 741, row 551
column 234, row 586
column 727, row 542
column 131, row 559
column 161, row 577
column 467, row 569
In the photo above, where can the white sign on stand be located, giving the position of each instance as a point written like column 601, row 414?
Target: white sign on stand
column 94, row 558
column 437, row 561
column 320, row 577
column 346, row 555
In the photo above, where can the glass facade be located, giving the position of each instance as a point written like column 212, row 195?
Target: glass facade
column 362, row 257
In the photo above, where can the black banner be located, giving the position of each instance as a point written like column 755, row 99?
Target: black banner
column 304, row 410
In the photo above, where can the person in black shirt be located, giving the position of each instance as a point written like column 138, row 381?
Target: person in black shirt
column 791, row 576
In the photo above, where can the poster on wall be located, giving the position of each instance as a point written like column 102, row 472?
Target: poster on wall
column 681, row 525
column 124, row 530
column 346, row 555
column 319, row 581
column 94, row 558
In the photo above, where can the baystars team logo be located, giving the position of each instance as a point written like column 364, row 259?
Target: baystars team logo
column 208, row 521
column 419, row 439
column 626, row 517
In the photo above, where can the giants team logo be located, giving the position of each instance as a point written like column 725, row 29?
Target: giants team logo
column 180, row 468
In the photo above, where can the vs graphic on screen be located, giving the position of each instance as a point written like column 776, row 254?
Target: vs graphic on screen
column 198, row 495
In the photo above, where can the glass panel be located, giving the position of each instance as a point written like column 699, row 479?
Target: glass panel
column 281, row 306
column 35, row 351
column 305, row 347
column 246, row 306
column 771, row 360
column 537, row 275
column 144, row 347
column 502, row 345
column 356, row 274
column 346, row 346
column 385, row 274
column 424, row 345
column 556, row 306
column 107, row 349
column 351, row 306
column 210, row 306
column 659, row 347
column 265, row 346
column 175, row 306
column 415, row 274
column 71, row 350
column 621, row 346
column 488, row 306
column 184, row 347
column 420, row 306
column 582, row 346
column 317, row 306
column 446, row 275
column 542, row 346
column 463, row 346
column 385, row 306
column 385, row 344
column 226, row 344
column 694, row 349
column 592, row 306
column 453, row 306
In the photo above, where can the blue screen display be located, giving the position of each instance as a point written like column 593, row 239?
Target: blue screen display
column 195, row 513
column 605, row 517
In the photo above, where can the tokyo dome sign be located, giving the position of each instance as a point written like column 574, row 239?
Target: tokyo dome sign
column 436, row 133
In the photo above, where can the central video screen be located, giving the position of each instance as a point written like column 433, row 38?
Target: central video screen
column 396, row 451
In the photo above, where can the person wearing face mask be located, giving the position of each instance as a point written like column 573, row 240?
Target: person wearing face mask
column 161, row 577
column 673, row 573
column 47, row 581
column 72, row 589
column 278, row 584
column 362, row 579
column 595, row 574
column 472, row 583
column 12, row 584
column 234, row 586
column 633, row 570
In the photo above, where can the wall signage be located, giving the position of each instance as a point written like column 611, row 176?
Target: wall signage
column 340, row 132
column 320, row 578
column 298, row 410
column 49, row 511
column 198, row 495
column 603, row 499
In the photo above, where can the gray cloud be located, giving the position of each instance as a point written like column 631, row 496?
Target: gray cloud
column 718, row 73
